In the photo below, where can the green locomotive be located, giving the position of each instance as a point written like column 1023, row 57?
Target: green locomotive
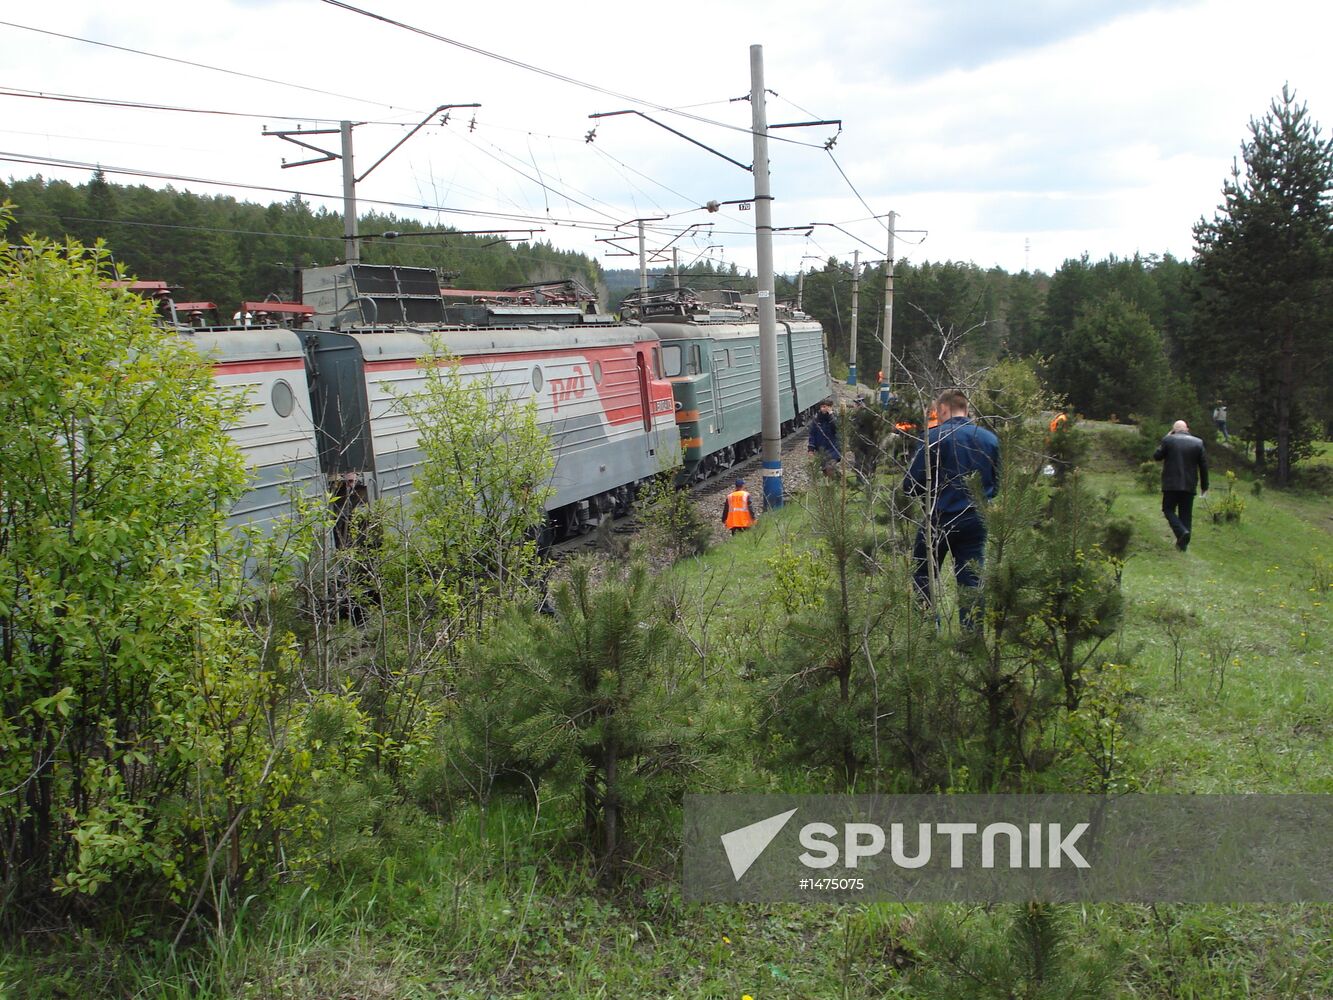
column 710, row 355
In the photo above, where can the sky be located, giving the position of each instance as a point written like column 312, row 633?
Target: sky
column 1009, row 134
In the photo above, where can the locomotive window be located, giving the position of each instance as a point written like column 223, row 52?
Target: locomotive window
column 283, row 399
column 671, row 357
column 597, row 372
column 537, row 380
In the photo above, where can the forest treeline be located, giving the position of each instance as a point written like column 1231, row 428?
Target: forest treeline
column 1147, row 338
column 217, row 249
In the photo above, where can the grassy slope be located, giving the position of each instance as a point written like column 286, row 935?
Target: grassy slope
column 1261, row 589
column 453, row 913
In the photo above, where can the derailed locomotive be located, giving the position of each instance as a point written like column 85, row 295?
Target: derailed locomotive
column 621, row 402
column 710, row 352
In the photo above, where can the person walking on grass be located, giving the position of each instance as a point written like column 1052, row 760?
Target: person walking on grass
column 1220, row 420
column 1184, row 465
column 738, row 510
column 958, row 449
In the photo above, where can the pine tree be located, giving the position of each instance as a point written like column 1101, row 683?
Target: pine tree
column 1265, row 264
column 593, row 699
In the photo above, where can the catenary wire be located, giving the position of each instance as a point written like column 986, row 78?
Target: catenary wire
column 199, row 65
column 595, row 226
column 108, row 102
column 493, row 55
column 49, row 161
column 552, row 74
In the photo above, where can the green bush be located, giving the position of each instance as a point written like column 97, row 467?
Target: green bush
column 592, row 700
column 1148, row 476
column 142, row 734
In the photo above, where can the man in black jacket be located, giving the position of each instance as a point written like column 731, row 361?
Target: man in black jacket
column 1183, row 465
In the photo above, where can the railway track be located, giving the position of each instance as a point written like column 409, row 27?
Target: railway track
column 708, row 494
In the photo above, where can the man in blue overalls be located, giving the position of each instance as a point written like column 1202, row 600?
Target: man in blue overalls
column 957, row 449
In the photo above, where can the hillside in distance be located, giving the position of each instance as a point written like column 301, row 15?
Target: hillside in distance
column 217, row 248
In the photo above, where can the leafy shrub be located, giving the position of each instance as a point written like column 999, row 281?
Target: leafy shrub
column 1229, row 508
column 1148, row 476
column 675, row 527
column 141, row 737
column 796, row 578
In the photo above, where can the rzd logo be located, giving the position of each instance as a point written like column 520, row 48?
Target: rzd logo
column 563, row 389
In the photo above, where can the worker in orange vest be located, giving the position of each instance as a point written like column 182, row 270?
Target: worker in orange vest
column 738, row 513
column 1059, row 421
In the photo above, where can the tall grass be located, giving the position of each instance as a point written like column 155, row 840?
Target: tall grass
column 443, row 909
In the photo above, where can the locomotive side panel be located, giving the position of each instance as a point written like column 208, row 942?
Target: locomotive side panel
column 608, row 416
column 808, row 364
column 274, row 430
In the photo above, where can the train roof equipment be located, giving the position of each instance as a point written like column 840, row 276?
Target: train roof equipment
column 361, row 296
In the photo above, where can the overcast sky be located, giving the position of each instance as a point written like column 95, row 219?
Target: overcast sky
column 1010, row 134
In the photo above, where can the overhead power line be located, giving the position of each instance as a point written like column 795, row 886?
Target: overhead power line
column 108, row 102
column 50, row 161
column 593, row 225
column 199, row 65
column 854, row 191
column 552, row 74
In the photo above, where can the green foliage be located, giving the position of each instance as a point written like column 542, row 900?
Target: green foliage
column 1052, row 589
column 1112, row 361
column 1230, row 506
column 673, row 525
column 796, row 579
column 853, row 689
column 1098, row 733
column 1008, row 400
column 1075, row 585
column 870, row 432
column 1067, row 447
column 956, row 294
column 480, row 495
column 1265, row 261
column 1027, row 951
column 593, row 698
column 1148, row 476
column 137, row 726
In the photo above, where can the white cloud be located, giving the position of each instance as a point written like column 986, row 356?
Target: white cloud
column 1080, row 127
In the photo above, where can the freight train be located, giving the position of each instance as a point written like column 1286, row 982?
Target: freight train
column 621, row 401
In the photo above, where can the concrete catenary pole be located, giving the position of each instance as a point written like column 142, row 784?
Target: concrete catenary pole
column 886, row 361
column 675, row 266
column 643, row 272
column 856, row 311
column 768, row 319
column 352, row 249
column 800, row 290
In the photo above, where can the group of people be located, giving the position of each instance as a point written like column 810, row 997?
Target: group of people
column 954, row 451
